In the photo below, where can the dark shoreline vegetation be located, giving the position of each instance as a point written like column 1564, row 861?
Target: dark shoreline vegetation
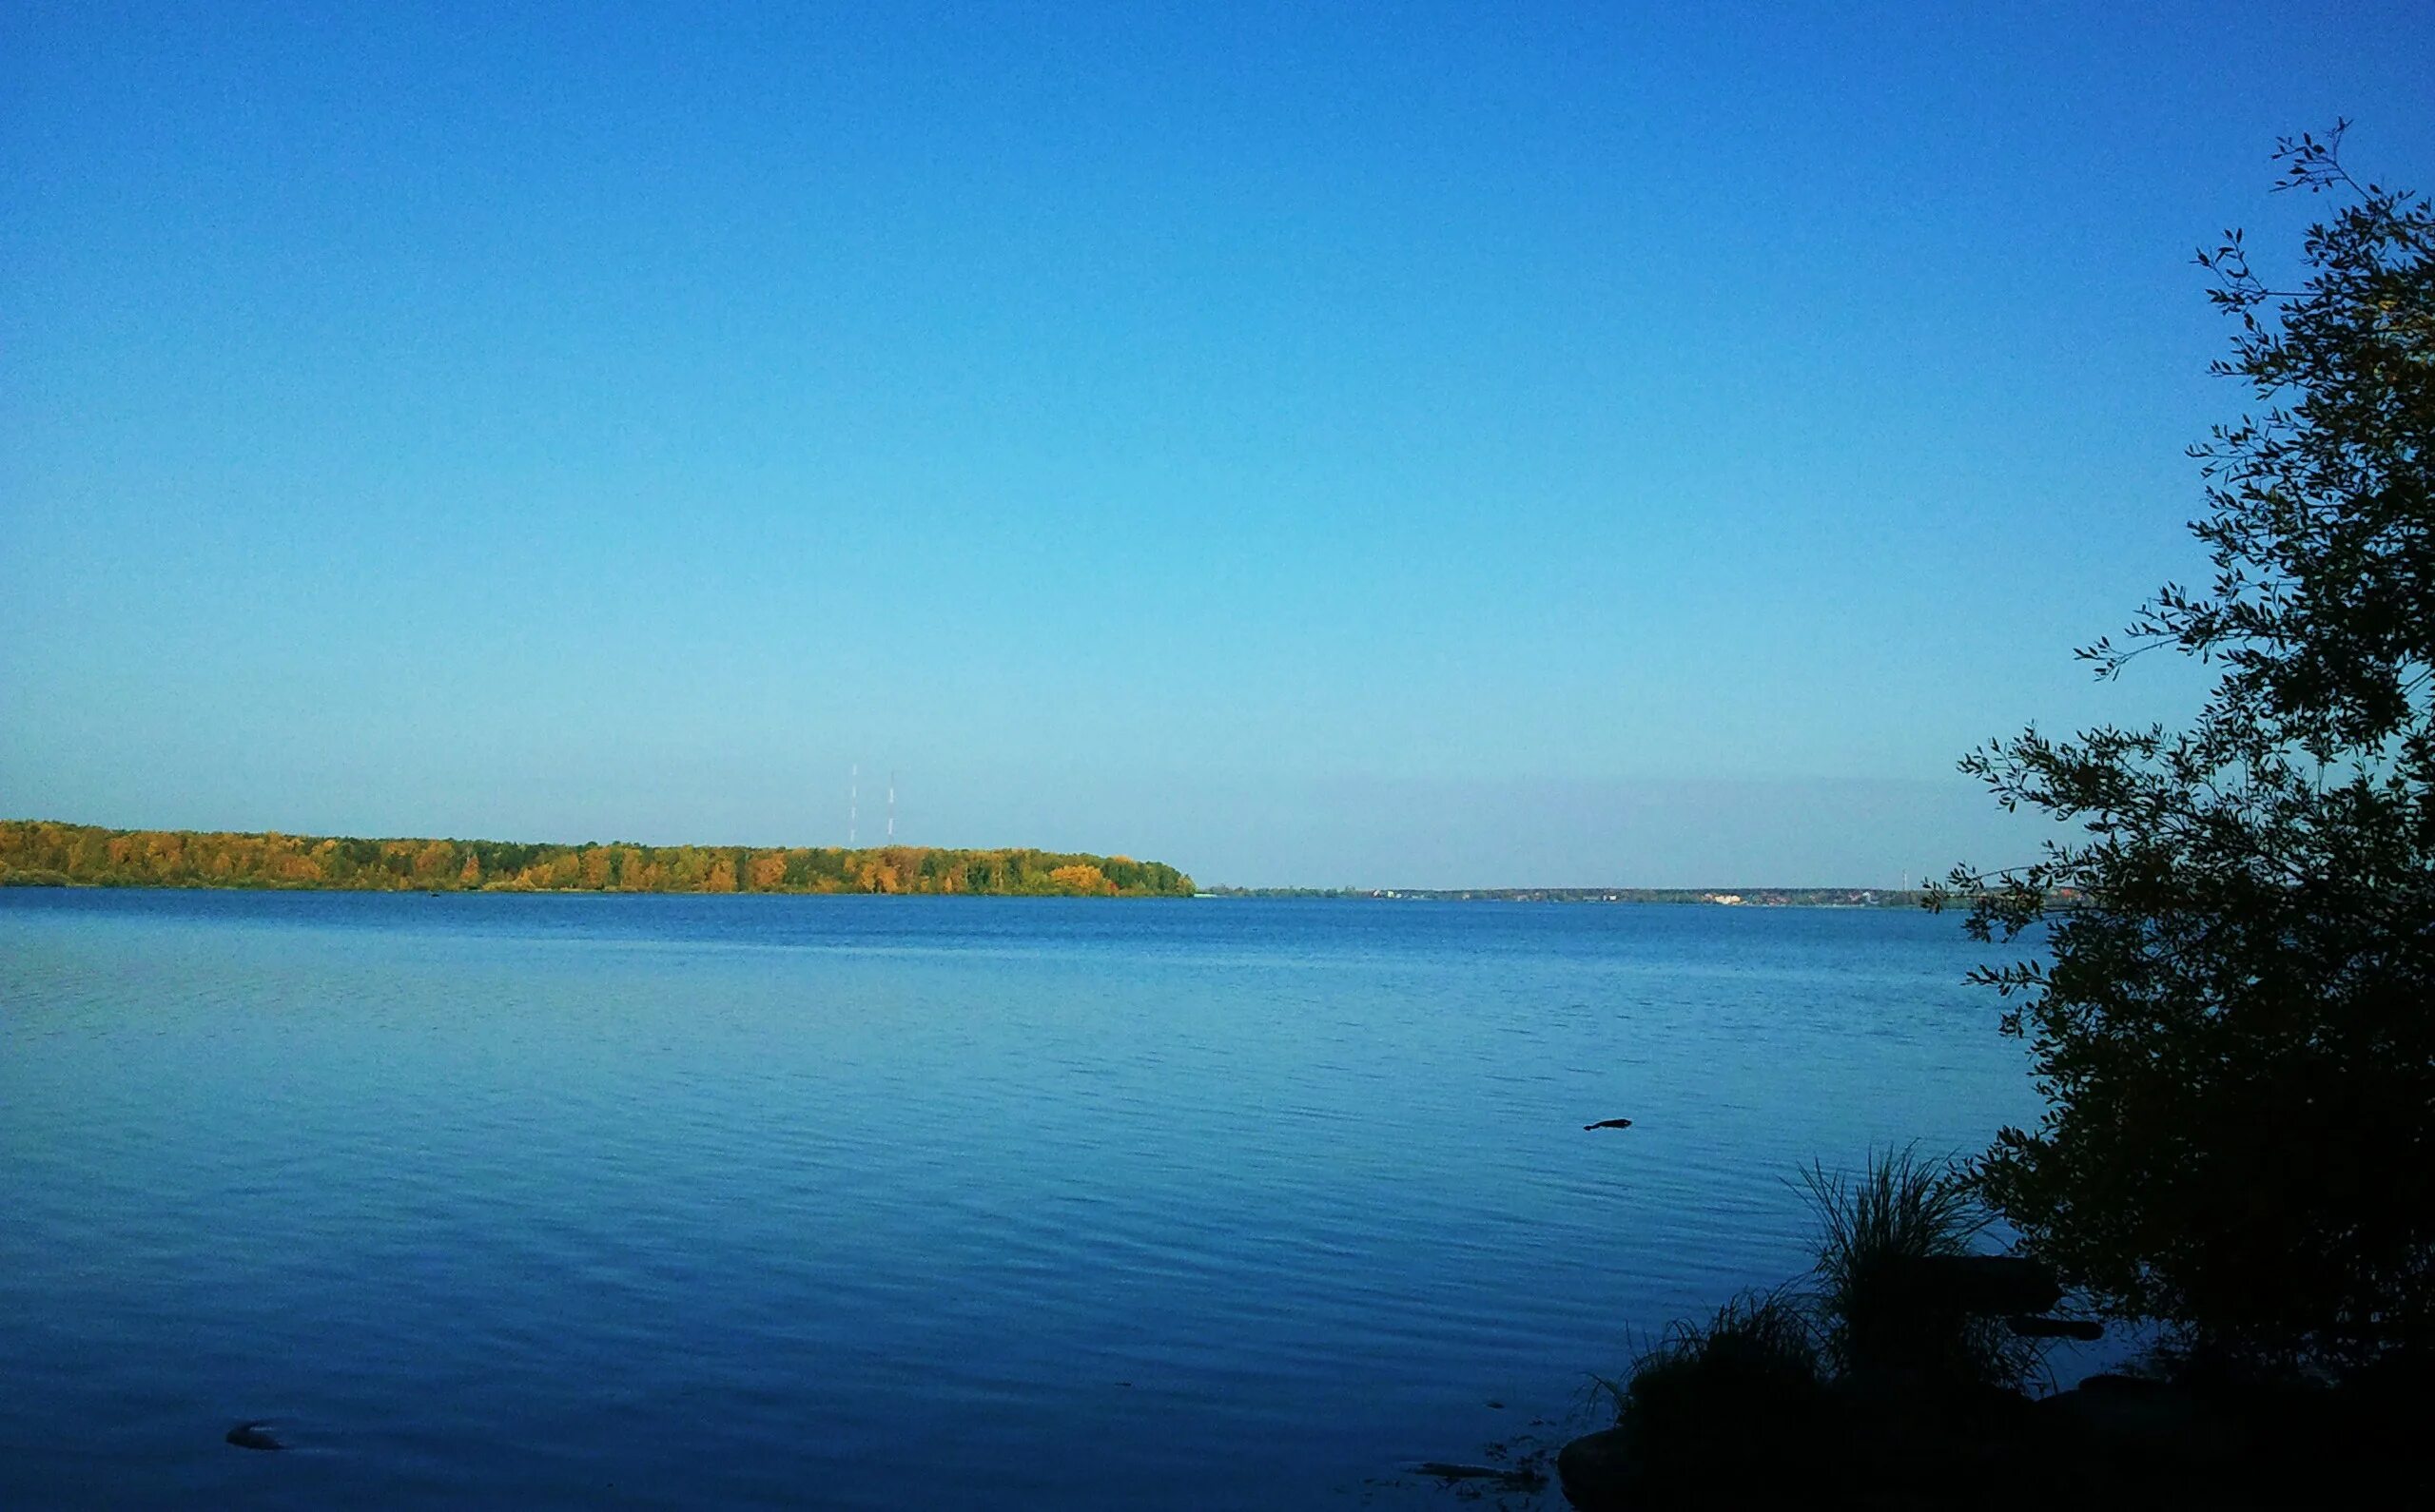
column 1907, row 1369
column 46, row 853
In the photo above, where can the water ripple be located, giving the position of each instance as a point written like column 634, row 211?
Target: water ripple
column 587, row 1202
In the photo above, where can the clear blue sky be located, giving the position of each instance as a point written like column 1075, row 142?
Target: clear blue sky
column 1484, row 444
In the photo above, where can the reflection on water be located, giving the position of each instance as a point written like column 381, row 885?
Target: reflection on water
column 878, row 1202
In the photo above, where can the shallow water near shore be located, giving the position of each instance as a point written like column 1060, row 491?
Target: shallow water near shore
column 865, row 1202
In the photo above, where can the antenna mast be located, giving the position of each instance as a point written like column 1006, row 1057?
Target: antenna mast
column 853, row 803
column 891, row 806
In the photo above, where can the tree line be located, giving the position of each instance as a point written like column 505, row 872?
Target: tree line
column 43, row 851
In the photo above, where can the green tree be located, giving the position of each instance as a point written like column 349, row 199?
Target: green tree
column 2234, row 1018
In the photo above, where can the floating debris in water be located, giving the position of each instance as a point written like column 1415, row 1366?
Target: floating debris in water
column 253, row 1436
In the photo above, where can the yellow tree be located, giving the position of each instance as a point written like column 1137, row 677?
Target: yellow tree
column 1082, row 879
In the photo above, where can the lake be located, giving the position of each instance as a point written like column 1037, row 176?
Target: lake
column 873, row 1202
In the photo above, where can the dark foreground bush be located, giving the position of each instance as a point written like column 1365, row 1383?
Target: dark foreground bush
column 1899, row 1383
column 1720, row 1408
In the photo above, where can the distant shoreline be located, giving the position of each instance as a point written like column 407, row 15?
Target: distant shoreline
column 48, row 853
column 1618, row 896
column 1710, row 896
column 53, row 853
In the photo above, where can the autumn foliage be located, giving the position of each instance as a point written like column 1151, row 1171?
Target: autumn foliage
column 43, row 851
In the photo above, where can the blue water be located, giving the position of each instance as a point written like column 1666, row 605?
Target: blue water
column 622, row 1201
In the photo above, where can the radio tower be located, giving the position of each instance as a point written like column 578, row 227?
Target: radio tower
column 891, row 806
column 853, row 803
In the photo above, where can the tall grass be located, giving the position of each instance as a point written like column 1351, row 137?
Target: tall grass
column 1722, row 1400
column 1756, row 1407
column 1901, row 1207
column 1761, row 1339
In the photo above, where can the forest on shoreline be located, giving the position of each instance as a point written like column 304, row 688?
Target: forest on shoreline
column 39, row 852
